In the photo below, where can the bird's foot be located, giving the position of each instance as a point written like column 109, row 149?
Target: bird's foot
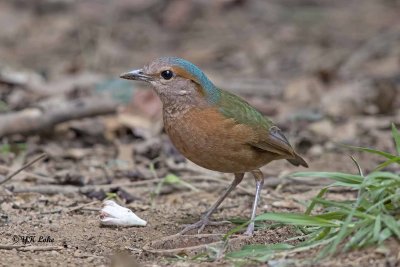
column 200, row 225
column 250, row 230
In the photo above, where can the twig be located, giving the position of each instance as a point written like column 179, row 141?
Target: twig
column 30, row 248
column 10, row 246
column 156, row 180
column 39, row 248
column 62, row 189
column 51, row 212
column 51, row 113
column 381, row 42
column 46, row 189
column 357, row 165
column 91, row 209
column 31, row 175
column 88, row 256
column 8, row 177
column 81, row 206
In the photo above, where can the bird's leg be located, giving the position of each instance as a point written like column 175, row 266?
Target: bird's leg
column 205, row 218
column 258, row 176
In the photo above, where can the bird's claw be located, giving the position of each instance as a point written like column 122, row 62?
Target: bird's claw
column 200, row 225
column 250, row 230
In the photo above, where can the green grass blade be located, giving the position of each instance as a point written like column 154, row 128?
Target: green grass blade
column 360, row 234
column 392, row 224
column 331, row 247
column 346, row 208
column 313, row 203
column 396, row 137
column 323, row 234
column 377, row 227
column 381, row 202
column 387, row 163
column 336, row 176
column 334, row 215
column 385, row 234
column 383, row 175
column 340, row 184
column 372, row 151
column 235, row 230
column 260, row 253
column 370, row 219
column 296, row 219
column 343, row 233
column 253, row 251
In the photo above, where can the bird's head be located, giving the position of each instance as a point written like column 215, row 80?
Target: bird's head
column 175, row 79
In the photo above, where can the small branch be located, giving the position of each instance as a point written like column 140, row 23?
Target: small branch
column 91, row 209
column 29, row 175
column 62, row 189
column 47, row 189
column 45, row 116
column 81, row 206
column 88, row 256
column 39, row 248
column 30, row 248
column 10, row 246
column 8, row 177
column 383, row 41
column 51, row 211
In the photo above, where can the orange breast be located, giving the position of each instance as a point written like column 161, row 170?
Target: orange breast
column 215, row 142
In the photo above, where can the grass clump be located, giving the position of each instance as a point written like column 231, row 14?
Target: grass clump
column 369, row 219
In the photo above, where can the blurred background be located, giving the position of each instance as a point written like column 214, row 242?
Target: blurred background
column 320, row 62
column 325, row 71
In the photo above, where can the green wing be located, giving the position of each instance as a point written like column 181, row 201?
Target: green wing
column 236, row 108
column 270, row 137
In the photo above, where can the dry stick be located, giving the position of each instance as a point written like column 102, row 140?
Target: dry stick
column 381, row 42
column 44, row 179
column 91, row 209
column 30, row 248
column 10, row 246
column 8, row 177
column 39, row 248
column 58, row 189
column 47, row 189
column 51, row 113
column 88, row 256
column 156, row 180
column 51, row 212
column 82, row 206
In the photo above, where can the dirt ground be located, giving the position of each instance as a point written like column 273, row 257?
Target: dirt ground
column 326, row 72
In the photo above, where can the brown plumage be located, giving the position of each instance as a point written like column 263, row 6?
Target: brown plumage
column 214, row 128
column 223, row 145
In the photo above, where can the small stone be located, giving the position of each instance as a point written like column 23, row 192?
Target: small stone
column 346, row 133
column 304, row 91
column 54, row 253
column 316, row 150
column 329, row 146
column 322, row 128
column 54, row 228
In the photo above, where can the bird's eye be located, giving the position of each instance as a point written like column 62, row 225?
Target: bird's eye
column 167, row 74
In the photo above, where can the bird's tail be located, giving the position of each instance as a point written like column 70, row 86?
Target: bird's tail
column 297, row 161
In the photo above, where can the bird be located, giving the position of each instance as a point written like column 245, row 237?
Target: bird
column 214, row 128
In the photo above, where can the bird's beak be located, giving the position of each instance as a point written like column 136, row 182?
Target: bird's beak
column 138, row 75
